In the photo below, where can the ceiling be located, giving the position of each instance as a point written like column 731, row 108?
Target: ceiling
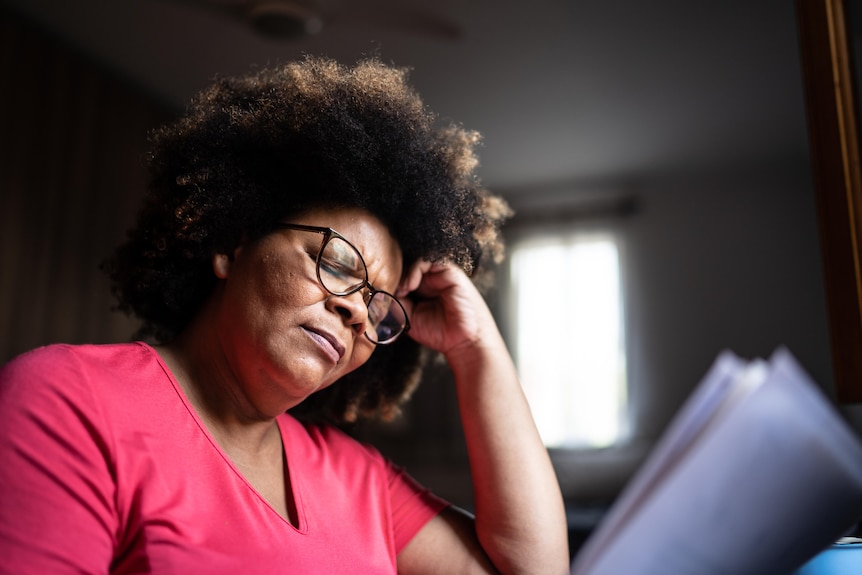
column 563, row 91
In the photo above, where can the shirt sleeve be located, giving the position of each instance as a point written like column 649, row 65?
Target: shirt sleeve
column 56, row 486
column 412, row 506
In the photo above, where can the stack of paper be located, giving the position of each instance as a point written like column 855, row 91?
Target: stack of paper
column 754, row 476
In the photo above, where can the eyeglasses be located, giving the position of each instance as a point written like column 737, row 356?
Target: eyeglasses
column 341, row 271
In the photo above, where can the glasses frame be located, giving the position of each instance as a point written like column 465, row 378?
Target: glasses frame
column 328, row 235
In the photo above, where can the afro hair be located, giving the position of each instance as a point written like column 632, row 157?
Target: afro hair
column 272, row 144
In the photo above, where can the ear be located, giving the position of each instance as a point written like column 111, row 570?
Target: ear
column 221, row 265
column 223, row 262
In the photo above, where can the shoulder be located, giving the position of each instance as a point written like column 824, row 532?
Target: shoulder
column 65, row 357
column 63, row 374
column 32, row 362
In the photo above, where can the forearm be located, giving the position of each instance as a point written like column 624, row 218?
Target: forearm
column 520, row 519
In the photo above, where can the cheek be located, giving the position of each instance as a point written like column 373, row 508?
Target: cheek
column 267, row 295
column 281, row 283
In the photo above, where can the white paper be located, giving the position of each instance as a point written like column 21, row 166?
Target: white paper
column 755, row 475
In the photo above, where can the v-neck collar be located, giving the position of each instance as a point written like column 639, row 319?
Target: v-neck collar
column 293, row 491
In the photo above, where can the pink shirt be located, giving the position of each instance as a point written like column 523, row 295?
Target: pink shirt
column 106, row 468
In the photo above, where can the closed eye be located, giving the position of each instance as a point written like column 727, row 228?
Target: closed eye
column 335, row 267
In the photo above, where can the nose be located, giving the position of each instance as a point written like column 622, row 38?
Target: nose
column 352, row 310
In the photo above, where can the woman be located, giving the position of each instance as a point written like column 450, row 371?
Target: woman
column 309, row 230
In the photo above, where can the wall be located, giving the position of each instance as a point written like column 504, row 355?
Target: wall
column 722, row 261
column 72, row 139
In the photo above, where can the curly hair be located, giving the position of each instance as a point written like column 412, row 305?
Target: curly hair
column 280, row 141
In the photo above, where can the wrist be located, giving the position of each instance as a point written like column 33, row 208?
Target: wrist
column 482, row 349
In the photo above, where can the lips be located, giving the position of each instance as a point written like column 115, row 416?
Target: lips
column 328, row 342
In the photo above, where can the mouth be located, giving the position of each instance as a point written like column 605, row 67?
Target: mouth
column 330, row 344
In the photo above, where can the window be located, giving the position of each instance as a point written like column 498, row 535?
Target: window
column 565, row 305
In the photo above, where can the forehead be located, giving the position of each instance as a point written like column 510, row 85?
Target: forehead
column 379, row 249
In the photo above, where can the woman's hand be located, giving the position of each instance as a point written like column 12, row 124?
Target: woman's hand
column 447, row 313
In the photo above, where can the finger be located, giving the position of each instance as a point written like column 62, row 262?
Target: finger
column 438, row 279
column 413, row 278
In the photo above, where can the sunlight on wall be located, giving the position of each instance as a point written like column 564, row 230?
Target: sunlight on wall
column 570, row 348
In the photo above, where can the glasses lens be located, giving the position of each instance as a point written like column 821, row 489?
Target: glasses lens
column 386, row 317
column 342, row 272
column 341, row 268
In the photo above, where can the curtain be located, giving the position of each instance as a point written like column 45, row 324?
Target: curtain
column 73, row 139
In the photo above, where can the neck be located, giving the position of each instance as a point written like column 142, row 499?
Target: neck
column 200, row 366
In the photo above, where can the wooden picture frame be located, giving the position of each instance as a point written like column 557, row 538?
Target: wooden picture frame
column 831, row 103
